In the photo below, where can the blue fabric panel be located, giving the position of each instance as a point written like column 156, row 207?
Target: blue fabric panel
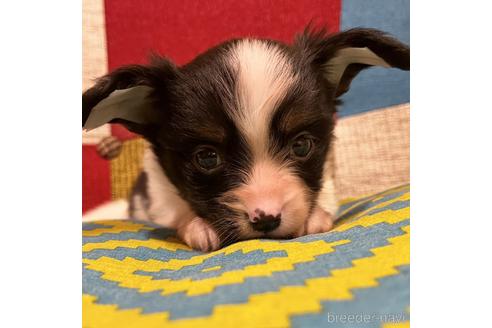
column 377, row 87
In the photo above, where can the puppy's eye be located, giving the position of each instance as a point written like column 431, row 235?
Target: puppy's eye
column 207, row 159
column 302, row 146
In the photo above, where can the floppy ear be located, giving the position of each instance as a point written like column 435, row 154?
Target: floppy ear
column 343, row 55
column 130, row 95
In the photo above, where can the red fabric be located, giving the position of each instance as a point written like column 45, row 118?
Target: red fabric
column 96, row 184
column 180, row 29
column 120, row 132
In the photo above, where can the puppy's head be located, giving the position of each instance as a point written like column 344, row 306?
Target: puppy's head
column 243, row 131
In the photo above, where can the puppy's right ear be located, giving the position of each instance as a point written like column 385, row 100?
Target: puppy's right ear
column 131, row 95
column 341, row 56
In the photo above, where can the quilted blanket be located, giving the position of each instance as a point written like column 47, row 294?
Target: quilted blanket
column 136, row 275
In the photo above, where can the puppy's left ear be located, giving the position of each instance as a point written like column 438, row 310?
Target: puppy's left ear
column 343, row 55
column 133, row 95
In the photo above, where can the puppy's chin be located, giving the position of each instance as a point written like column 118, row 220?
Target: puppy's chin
column 284, row 231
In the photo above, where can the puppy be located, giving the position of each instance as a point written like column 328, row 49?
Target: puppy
column 241, row 137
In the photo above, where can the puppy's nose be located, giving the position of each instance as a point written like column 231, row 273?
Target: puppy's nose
column 265, row 222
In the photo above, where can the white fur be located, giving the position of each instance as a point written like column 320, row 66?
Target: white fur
column 198, row 234
column 114, row 210
column 327, row 199
column 265, row 75
column 320, row 221
column 139, row 208
column 167, row 208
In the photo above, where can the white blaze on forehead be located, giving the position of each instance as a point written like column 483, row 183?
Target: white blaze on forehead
column 265, row 75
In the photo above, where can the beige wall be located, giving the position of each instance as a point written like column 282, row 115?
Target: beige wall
column 372, row 151
column 94, row 56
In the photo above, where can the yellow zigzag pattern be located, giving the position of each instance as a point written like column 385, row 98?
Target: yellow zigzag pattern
column 122, row 271
column 115, row 227
column 388, row 215
column 271, row 309
column 171, row 244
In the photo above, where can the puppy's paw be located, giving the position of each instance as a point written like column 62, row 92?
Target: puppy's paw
column 199, row 235
column 319, row 221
